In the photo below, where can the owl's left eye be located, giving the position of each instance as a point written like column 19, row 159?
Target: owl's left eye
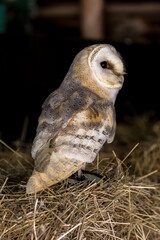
column 104, row 64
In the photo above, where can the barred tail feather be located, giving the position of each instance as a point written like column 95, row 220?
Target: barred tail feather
column 37, row 182
column 52, row 175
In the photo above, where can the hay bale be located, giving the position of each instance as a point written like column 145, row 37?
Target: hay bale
column 123, row 205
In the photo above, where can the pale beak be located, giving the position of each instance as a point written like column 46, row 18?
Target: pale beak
column 121, row 79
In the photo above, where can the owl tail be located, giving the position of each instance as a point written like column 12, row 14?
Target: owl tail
column 54, row 172
column 37, row 182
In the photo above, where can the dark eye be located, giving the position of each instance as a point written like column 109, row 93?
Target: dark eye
column 103, row 64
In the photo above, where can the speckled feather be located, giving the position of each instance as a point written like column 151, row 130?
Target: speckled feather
column 76, row 120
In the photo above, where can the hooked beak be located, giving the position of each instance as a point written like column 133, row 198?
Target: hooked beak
column 121, row 80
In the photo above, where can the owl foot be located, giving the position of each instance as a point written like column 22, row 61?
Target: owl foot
column 83, row 175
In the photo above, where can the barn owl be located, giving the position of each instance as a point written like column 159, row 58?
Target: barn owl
column 77, row 118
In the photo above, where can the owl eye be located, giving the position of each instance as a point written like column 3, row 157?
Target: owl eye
column 104, row 64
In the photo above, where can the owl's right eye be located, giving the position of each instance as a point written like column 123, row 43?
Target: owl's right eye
column 103, row 64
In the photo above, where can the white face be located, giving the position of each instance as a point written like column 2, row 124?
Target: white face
column 107, row 66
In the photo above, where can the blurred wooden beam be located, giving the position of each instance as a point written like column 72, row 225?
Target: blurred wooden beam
column 71, row 9
column 134, row 7
column 63, row 10
column 92, row 19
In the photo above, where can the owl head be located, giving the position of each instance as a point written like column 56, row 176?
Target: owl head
column 102, row 63
column 107, row 66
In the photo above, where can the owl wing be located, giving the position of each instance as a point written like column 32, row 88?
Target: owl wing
column 56, row 114
column 57, row 111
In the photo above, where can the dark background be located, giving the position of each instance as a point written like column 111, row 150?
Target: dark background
column 36, row 52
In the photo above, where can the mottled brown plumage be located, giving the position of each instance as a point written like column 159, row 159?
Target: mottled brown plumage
column 78, row 117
